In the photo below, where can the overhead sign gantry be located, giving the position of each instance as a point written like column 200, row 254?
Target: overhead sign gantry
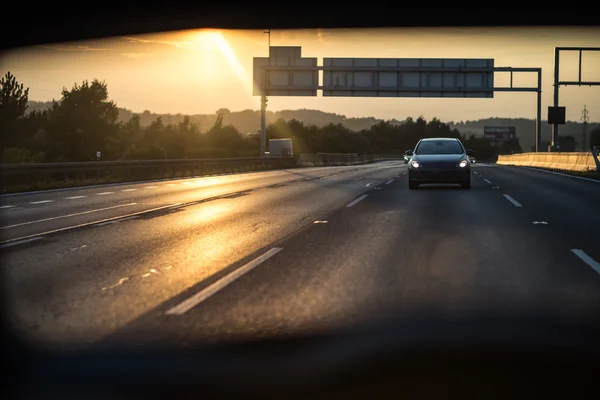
column 286, row 73
column 556, row 113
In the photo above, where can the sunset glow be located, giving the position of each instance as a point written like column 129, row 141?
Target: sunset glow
column 200, row 71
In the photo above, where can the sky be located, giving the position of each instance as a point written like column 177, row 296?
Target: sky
column 201, row 71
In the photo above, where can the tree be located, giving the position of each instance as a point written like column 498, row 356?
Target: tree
column 13, row 104
column 83, row 122
column 595, row 137
column 567, row 143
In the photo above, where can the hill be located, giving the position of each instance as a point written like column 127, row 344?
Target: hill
column 248, row 121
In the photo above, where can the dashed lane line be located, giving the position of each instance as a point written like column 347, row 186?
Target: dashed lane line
column 587, row 259
column 515, row 203
column 205, row 293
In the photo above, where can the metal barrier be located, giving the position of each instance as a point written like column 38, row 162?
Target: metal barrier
column 36, row 175
column 575, row 161
column 332, row 159
column 22, row 177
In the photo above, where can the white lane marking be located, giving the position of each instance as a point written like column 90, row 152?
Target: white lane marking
column 103, row 193
column 41, row 201
column 7, row 206
column 567, row 175
column 205, row 293
column 587, row 259
column 488, row 181
column 66, row 216
column 540, row 223
column 128, row 190
column 66, row 228
column 119, row 282
column 170, row 184
column 150, row 187
column 476, row 173
column 390, row 181
column 515, row 203
column 404, row 173
column 75, row 197
column 494, row 187
column 357, row 200
column 117, row 221
column 186, row 183
column 320, row 222
column 16, row 242
column 368, row 184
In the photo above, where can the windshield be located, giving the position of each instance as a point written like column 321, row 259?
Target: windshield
column 439, row 147
column 191, row 185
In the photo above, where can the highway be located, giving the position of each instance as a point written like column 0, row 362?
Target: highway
column 301, row 250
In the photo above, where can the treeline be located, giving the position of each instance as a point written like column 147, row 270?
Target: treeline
column 84, row 121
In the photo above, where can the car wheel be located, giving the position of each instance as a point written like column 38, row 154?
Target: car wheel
column 466, row 184
column 412, row 185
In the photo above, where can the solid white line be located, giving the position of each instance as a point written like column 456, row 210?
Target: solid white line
column 32, row 239
column 103, row 193
column 128, row 190
column 117, row 220
column 74, row 197
column 205, row 293
column 357, row 200
column 567, row 175
column 66, row 228
column 66, row 216
column 516, row 203
column 487, row 181
column 256, row 173
column 587, row 259
column 150, row 187
column 41, row 201
column 390, row 181
column 1, row 207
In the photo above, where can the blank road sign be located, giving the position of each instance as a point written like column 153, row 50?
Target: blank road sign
column 556, row 115
column 408, row 77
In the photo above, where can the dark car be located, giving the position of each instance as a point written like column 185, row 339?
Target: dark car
column 439, row 160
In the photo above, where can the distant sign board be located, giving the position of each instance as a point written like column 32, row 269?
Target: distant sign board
column 286, row 73
column 556, row 115
column 285, row 82
column 499, row 133
column 408, row 77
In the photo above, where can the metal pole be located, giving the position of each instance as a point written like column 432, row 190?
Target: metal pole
column 539, row 113
column 579, row 67
column 263, row 111
column 556, row 62
column 263, row 104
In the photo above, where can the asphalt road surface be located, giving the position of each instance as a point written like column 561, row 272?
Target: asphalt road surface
column 279, row 252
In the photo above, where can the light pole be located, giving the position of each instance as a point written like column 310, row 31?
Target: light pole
column 263, row 107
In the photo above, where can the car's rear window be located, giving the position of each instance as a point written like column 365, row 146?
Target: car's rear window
column 439, row 147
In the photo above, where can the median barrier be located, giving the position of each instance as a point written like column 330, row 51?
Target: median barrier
column 566, row 161
column 40, row 176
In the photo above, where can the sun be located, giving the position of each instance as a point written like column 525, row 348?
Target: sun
column 206, row 40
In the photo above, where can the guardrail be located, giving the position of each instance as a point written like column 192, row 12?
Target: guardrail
column 575, row 161
column 16, row 176
column 324, row 159
column 24, row 177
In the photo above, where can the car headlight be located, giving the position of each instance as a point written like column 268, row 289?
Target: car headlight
column 415, row 164
column 463, row 163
